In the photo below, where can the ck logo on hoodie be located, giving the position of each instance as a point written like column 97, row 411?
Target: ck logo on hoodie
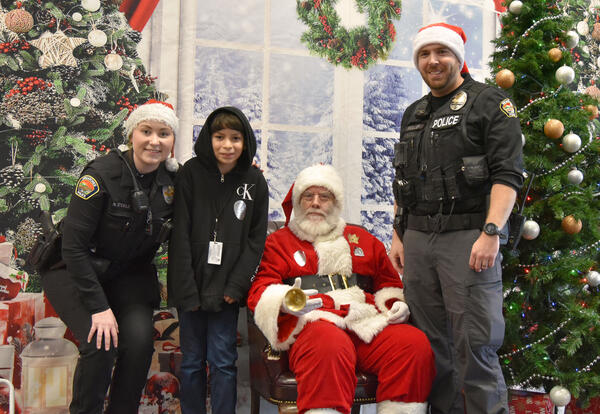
column 243, row 191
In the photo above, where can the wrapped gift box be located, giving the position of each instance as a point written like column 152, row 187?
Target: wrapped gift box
column 170, row 362
column 593, row 408
column 521, row 402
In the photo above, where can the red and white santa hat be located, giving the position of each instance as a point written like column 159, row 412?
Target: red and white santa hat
column 453, row 37
column 151, row 110
column 316, row 175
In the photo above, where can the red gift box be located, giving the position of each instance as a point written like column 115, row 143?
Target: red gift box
column 170, row 362
column 521, row 402
column 593, row 408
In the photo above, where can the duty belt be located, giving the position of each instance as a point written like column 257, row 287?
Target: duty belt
column 440, row 223
column 327, row 283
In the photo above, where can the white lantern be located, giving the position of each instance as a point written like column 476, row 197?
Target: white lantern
column 575, row 176
column 97, row 38
column 113, row 61
column 75, row 102
column 90, row 5
column 565, row 75
column 571, row 143
column 515, row 7
column 560, row 396
column 572, row 39
column 530, row 230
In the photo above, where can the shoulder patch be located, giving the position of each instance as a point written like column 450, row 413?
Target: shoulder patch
column 508, row 108
column 87, row 187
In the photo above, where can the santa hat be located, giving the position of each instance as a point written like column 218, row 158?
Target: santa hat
column 152, row 110
column 453, row 37
column 316, row 175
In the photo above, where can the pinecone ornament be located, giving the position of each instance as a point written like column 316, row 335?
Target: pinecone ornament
column 27, row 233
column 67, row 73
column 11, row 176
column 134, row 35
column 96, row 118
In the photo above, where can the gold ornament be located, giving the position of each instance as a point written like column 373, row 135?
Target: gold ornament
column 593, row 110
column 553, row 128
column 18, row 21
column 555, row 54
column 571, row 225
column 593, row 91
column 596, row 32
column 57, row 49
column 505, row 79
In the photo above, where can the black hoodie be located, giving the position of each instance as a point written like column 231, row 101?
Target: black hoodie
column 240, row 201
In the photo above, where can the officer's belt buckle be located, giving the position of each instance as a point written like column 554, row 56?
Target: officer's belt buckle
column 435, row 223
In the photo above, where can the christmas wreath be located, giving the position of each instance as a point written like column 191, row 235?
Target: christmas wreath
column 358, row 47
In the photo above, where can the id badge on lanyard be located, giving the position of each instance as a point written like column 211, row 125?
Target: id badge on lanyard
column 215, row 249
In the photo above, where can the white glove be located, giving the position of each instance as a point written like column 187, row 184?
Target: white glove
column 311, row 304
column 398, row 313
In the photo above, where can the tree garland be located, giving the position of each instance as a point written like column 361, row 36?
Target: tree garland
column 359, row 47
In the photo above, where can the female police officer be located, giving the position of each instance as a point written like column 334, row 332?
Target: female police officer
column 106, row 293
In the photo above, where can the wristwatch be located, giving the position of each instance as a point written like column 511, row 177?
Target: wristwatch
column 492, row 230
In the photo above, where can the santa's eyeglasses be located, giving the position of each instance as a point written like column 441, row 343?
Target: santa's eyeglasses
column 323, row 197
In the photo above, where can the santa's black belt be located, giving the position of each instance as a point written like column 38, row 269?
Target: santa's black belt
column 439, row 223
column 327, row 283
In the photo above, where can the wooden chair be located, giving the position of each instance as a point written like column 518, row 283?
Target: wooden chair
column 270, row 375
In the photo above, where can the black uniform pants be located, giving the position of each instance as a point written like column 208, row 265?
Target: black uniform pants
column 94, row 371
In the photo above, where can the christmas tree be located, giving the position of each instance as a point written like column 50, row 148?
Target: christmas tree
column 69, row 76
column 551, row 277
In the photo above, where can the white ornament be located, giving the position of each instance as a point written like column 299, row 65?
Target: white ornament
column 523, row 140
column 515, row 7
column 97, row 38
column 123, row 148
column 113, row 61
column 560, row 396
column 598, row 61
column 572, row 39
column 75, row 102
column 90, row 5
column 77, row 17
column 565, row 75
column 571, row 142
column 39, row 188
column 171, row 164
column 575, row 176
column 582, row 28
column 593, row 278
column 530, row 230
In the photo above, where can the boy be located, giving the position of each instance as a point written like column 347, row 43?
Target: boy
column 220, row 224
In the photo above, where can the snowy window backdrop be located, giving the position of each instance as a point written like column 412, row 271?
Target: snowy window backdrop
column 304, row 111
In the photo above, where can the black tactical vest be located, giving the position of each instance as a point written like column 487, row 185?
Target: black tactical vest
column 436, row 163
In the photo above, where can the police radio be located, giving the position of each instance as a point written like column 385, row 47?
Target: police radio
column 139, row 199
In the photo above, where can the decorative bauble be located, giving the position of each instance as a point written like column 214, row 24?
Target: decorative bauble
column 572, row 39
column 113, row 61
column 523, row 140
column 575, row 176
column 90, row 5
column 571, row 225
column 97, row 38
column 593, row 91
column 75, row 102
column 123, row 147
column 171, row 164
column 515, row 7
column 571, row 143
column 553, row 128
column 18, row 21
column 582, row 28
column 593, row 110
column 555, row 54
column 565, row 75
column 596, row 32
column 505, row 78
column 77, row 17
column 593, row 278
column 39, row 188
column 530, row 230
column 560, row 396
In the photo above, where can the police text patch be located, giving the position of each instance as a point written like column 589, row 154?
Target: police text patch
column 87, row 187
column 446, row 122
column 508, row 108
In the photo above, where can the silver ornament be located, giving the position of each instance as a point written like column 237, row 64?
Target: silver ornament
column 97, row 38
column 593, row 278
column 575, row 176
column 113, row 61
column 90, row 5
column 582, row 28
column 560, row 396
column 571, row 143
column 572, row 39
column 515, row 7
column 530, row 230
column 565, row 75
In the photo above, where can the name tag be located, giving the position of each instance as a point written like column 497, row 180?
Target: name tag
column 215, row 250
column 446, row 122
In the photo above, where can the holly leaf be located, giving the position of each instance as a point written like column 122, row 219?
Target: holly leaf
column 44, row 202
column 3, row 206
column 79, row 146
column 12, row 63
column 28, row 60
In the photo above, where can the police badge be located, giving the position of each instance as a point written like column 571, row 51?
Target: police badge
column 458, row 101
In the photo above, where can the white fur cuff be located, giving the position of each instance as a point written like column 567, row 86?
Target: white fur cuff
column 385, row 294
column 398, row 407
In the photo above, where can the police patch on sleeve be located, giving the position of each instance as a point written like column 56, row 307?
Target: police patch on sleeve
column 508, row 108
column 87, row 187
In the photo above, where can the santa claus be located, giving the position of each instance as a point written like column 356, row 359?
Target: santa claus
column 355, row 315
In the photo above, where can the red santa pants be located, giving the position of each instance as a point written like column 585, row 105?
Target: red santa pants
column 324, row 359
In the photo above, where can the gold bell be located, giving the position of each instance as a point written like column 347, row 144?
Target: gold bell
column 295, row 299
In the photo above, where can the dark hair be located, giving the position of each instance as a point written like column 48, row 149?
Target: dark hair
column 226, row 120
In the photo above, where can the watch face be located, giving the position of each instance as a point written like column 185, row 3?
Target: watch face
column 490, row 228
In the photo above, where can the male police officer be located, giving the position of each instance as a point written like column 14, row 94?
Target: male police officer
column 458, row 167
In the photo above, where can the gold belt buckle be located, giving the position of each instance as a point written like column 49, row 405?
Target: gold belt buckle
column 345, row 280
column 331, row 282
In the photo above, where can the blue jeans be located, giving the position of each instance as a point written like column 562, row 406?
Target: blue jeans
column 209, row 337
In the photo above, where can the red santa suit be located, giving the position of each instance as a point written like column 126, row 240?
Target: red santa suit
column 351, row 330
